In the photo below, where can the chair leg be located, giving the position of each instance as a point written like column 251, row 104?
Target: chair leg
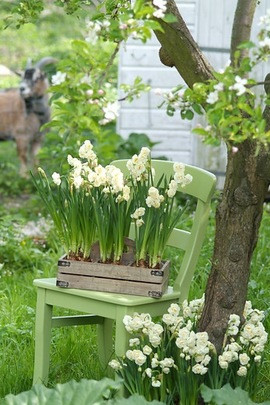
column 105, row 343
column 121, row 335
column 42, row 338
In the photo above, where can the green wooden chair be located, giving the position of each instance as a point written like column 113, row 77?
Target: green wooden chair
column 105, row 308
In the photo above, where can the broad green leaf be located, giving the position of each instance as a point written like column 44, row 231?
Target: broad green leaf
column 85, row 392
column 227, row 396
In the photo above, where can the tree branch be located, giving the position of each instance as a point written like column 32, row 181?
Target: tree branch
column 180, row 50
column 242, row 24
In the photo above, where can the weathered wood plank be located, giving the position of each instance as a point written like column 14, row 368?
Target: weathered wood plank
column 113, row 271
column 109, row 285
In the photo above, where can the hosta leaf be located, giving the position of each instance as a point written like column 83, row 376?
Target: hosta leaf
column 227, row 396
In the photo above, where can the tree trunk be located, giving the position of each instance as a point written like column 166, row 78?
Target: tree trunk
column 247, row 178
column 237, row 224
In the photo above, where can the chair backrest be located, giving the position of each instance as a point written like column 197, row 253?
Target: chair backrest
column 202, row 188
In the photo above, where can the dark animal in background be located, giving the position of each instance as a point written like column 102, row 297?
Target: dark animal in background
column 24, row 110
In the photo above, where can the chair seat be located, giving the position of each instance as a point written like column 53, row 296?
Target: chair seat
column 113, row 298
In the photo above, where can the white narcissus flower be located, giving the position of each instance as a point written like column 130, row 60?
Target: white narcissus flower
column 77, row 181
column 139, row 222
column 244, row 359
column 155, row 383
column 139, row 357
column 134, row 342
column 86, row 152
column 242, row 372
column 148, row 372
column 139, row 212
column 56, row 178
column 126, row 193
column 58, row 78
column 199, row 369
column 115, row 365
column 147, row 350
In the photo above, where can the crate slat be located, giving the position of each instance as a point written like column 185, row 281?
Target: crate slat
column 114, row 271
column 112, row 285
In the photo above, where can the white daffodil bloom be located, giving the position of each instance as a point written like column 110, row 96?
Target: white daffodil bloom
column 242, row 372
column 115, row 365
column 56, row 178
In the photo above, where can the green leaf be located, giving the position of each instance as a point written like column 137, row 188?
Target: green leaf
column 227, row 396
column 133, row 400
column 246, row 45
column 169, row 18
column 85, row 392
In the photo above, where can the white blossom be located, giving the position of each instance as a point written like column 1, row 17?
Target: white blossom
column 242, row 371
column 239, row 85
column 58, row 78
column 111, row 111
column 212, row 97
column 56, row 178
column 115, row 365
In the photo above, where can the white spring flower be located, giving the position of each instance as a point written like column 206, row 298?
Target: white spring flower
column 154, row 199
column 244, row 359
column 199, row 369
column 139, row 222
column 77, row 181
column 169, row 319
column 222, row 363
column 167, row 362
column 86, row 152
column 130, row 355
column 134, row 342
column 139, row 357
column 139, row 212
column 148, row 372
column 172, row 188
column 154, row 339
column 154, row 362
column 155, row 383
column 126, row 193
column 242, row 371
column 58, row 78
column 147, row 350
column 56, row 178
column 115, row 365
column 111, row 111
column 234, row 320
column 239, row 85
column 174, row 309
column 257, row 359
column 265, row 43
column 212, row 97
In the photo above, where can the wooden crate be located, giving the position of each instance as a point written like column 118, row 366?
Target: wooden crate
column 124, row 279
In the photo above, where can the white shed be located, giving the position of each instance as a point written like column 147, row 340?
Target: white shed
column 210, row 22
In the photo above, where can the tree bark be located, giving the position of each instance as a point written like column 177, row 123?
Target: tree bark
column 247, row 178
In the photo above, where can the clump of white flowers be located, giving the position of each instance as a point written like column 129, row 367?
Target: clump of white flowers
column 173, row 356
column 138, row 165
column 100, row 200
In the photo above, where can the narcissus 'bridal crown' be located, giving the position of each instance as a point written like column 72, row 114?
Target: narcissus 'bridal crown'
column 95, row 203
column 169, row 360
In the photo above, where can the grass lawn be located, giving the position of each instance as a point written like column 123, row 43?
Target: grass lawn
column 73, row 351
